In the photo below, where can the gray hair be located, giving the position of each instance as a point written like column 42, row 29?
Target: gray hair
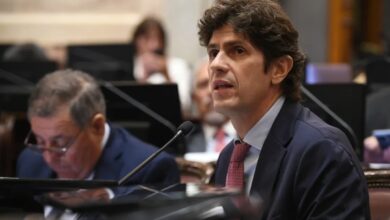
column 67, row 88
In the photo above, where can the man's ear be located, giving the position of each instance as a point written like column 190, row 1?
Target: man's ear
column 97, row 123
column 281, row 68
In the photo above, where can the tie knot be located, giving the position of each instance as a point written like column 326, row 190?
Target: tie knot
column 239, row 152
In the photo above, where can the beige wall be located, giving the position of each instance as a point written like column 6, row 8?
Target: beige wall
column 59, row 22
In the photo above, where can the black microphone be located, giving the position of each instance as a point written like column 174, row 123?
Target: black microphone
column 182, row 130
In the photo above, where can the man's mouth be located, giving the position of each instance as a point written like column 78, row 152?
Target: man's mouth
column 221, row 85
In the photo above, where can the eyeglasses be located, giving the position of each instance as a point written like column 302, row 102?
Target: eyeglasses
column 31, row 142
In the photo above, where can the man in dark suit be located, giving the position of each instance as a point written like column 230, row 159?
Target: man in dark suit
column 70, row 138
column 300, row 166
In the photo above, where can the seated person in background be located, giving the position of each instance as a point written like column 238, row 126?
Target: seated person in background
column 27, row 52
column 214, row 130
column 70, row 138
column 301, row 167
column 377, row 118
column 153, row 65
column 373, row 153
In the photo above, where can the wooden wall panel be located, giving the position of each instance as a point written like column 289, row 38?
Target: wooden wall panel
column 340, row 30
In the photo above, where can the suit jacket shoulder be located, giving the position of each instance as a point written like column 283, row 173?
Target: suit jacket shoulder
column 122, row 153
column 306, row 169
column 196, row 141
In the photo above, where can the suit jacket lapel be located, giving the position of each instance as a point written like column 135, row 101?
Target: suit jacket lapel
column 273, row 151
column 196, row 141
column 108, row 167
column 223, row 165
column 199, row 141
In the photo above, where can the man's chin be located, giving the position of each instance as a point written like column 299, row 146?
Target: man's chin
column 65, row 174
column 215, row 118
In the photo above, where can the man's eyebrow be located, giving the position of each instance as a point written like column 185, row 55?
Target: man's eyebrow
column 228, row 43
column 58, row 137
column 211, row 46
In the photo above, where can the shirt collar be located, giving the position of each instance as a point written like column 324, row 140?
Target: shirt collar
column 106, row 135
column 259, row 132
column 102, row 145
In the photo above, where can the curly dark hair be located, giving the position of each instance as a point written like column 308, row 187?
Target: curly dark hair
column 266, row 26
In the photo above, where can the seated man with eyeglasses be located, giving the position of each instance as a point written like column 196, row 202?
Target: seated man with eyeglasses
column 70, row 138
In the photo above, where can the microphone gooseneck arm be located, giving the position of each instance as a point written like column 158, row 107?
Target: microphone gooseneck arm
column 14, row 78
column 183, row 129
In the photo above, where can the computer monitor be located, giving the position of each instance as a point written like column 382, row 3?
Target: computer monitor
column 378, row 73
column 14, row 98
column 325, row 73
column 24, row 73
column 3, row 49
column 163, row 99
column 347, row 101
column 110, row 62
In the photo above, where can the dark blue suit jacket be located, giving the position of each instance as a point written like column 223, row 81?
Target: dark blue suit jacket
column 306, row 170
column 196, row 140
column 122, row 153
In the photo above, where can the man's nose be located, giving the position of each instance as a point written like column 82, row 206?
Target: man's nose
column 218, row 64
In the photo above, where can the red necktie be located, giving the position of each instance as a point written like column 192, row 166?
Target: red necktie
column 235, row 175
column 219, row 140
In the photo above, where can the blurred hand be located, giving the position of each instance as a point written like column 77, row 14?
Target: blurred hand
column 154, row 63
column 373, row 152
column 371, row 144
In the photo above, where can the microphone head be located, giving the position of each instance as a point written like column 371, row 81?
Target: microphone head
column 185, row 127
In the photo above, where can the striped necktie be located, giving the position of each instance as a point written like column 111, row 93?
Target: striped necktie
column 235, row 175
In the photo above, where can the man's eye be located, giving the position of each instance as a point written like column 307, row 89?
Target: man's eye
column 37, row 141
column 239, row 50
column 212, row 54
column 58, row 143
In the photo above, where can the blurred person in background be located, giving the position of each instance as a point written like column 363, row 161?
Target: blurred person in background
column 213, row 130
column 374, row 152
column 153, row 65
column 26, row 52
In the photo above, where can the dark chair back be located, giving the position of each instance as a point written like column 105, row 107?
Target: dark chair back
column 379, row 193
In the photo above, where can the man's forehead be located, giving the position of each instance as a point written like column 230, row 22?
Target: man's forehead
column 227, row 42
column 228, row 35
column 52, row 123
column 60, row 121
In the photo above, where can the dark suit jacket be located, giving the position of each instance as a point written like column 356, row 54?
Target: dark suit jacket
column 122, row 153
column 306, row 170
column 196, row 140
